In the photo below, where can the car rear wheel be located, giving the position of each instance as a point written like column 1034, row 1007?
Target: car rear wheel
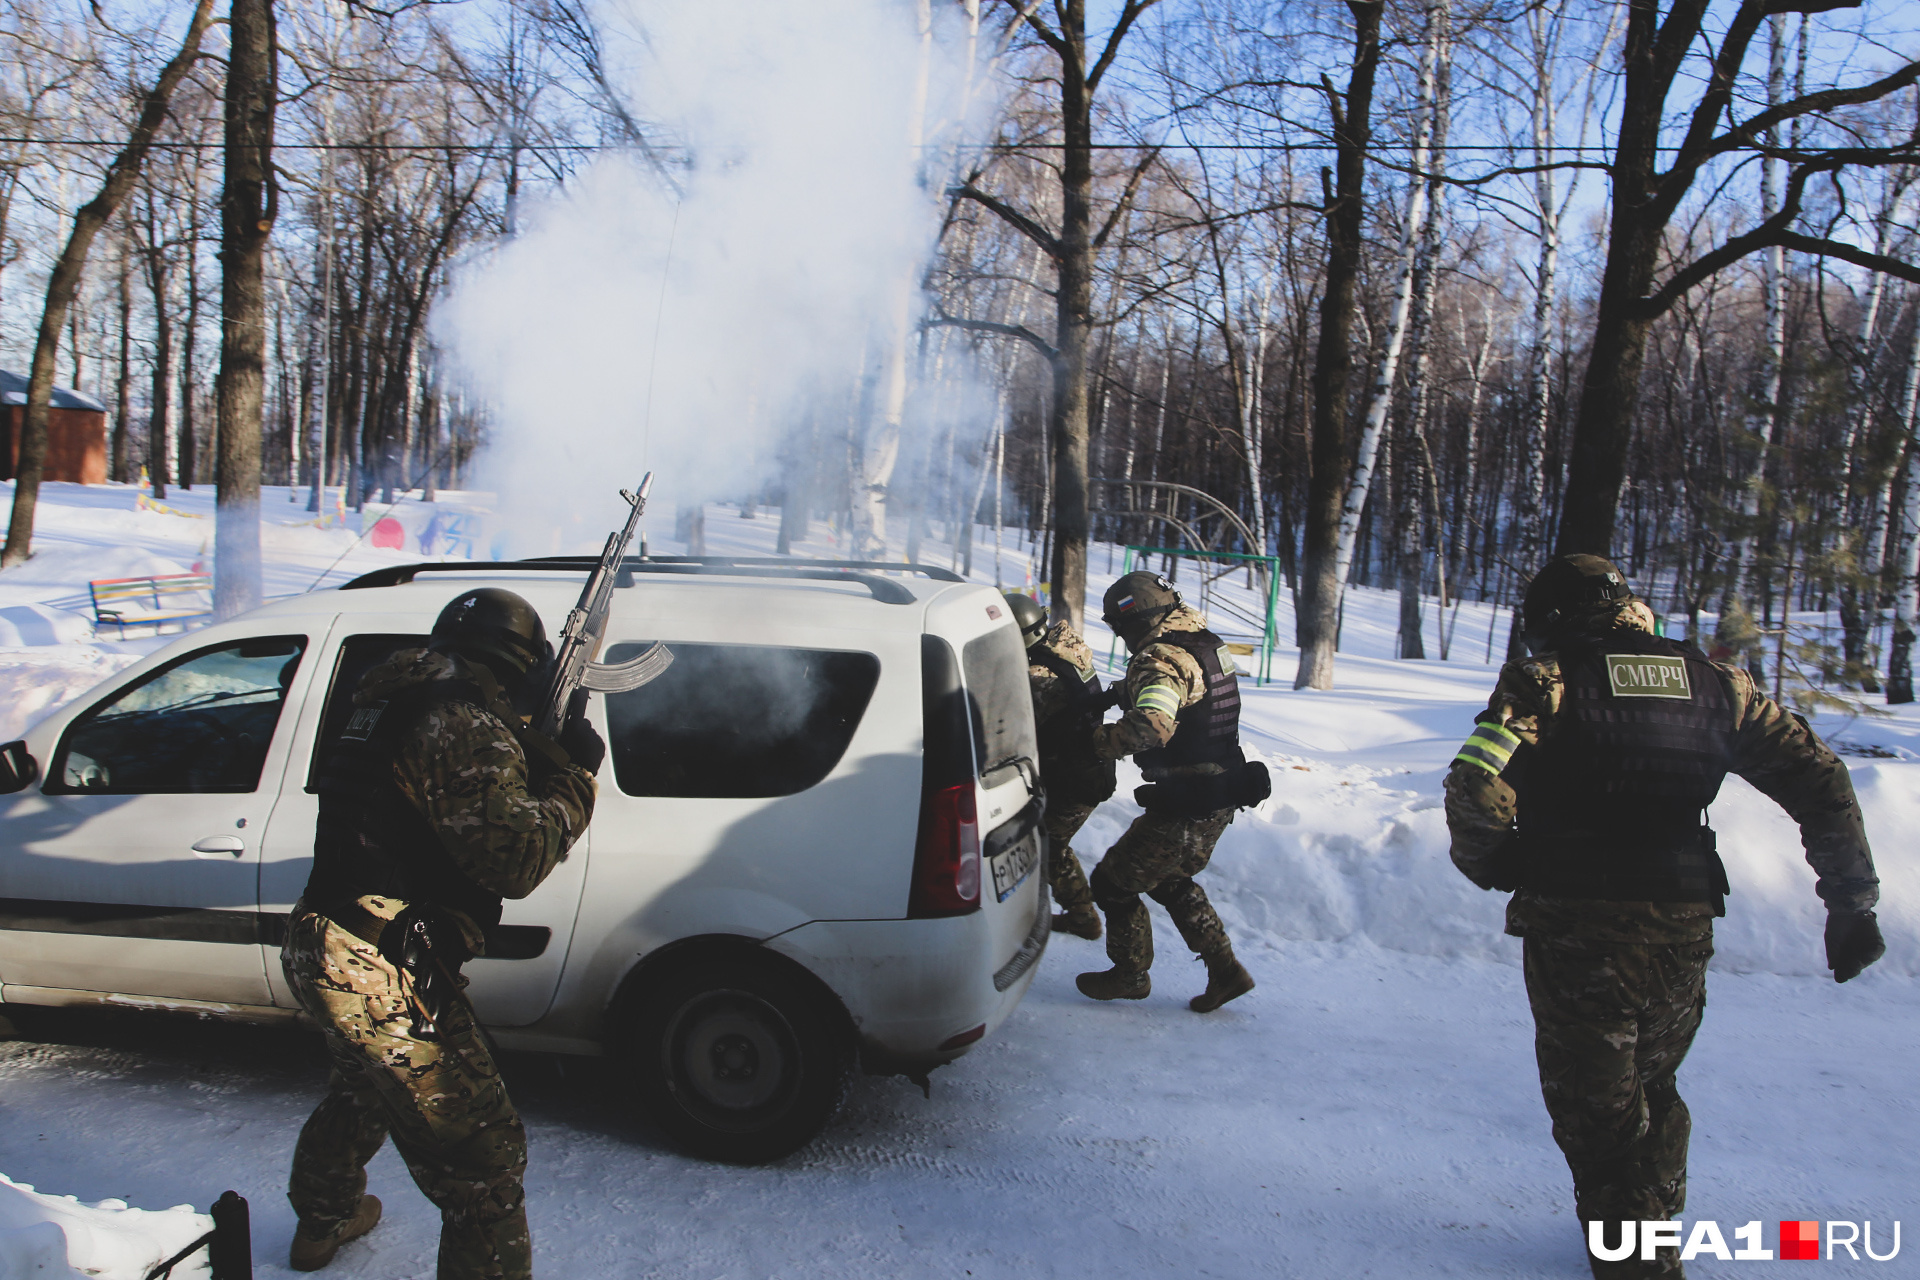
column 737, row 1060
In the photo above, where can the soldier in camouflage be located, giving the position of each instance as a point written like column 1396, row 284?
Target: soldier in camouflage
column 436, row 804
column 1182, row 719
column 1582, row 789
column 1067, row 704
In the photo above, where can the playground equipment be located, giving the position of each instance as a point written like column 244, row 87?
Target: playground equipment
column 1220, row 607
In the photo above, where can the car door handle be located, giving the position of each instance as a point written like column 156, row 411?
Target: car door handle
column 221, row 844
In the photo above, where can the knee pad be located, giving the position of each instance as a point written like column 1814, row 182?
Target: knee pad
column 1106, row 894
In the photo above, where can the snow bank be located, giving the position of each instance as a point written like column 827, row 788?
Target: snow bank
column 1346, row 852
column 36, row 681
column 75, row 567
column 59, row 1238
column 39, row 624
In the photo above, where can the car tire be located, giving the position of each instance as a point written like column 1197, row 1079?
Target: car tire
column 736, row 1059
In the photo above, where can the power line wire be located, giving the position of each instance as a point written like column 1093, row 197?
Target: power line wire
column 1004, row 147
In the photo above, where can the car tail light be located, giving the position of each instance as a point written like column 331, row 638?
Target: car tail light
column 965, row 1038
column 946, row 858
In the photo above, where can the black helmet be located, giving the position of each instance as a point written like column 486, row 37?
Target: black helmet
column 1030, row 616
column 1571, row 591
column 1133, row 605
column 495, row 626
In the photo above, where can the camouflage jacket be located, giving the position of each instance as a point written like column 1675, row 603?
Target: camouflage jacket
column 1773, row 749
column 504, row 819
column 1051, row 694
column 1160, row 680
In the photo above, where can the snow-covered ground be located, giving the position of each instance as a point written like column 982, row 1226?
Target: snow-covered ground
column 60, row 1238
column 1371, row 1109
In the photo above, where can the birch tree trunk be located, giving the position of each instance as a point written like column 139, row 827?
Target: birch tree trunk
column 1254, row 351
column 1906, row 594
column 63, row 282
column 188, row 452
column 117, row 471
column 1470, row 446
column 881, row 448
column 159, row 406
column 1862, row 599
column 1412, row 235
column 1862, row 499
column 1763, row 421
column 1417, row 472
column 1543, row 30
column 1318, row 611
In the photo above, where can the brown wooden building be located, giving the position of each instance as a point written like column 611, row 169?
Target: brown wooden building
column 76, row 433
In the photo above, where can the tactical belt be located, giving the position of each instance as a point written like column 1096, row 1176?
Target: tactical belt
column 1203, row 794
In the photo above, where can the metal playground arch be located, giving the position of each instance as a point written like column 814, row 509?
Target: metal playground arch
column 1206, row 524
column 1214, row 605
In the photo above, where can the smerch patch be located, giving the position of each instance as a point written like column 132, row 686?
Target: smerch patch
column 1639, row 675
column 360, row 727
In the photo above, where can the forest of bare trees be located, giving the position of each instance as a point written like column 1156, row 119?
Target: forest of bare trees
column 1417, row 293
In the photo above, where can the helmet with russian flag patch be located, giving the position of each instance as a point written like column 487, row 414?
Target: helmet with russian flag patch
column 1134, row 604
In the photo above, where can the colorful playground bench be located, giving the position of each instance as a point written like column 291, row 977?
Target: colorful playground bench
column 151, row 602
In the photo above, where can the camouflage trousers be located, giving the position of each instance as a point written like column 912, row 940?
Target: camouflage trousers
column 1064, row 874
column 1612, row 1022
column 1159, row 856
column 443, row 1102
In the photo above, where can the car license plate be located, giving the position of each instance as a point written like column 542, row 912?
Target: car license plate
column 1015, row 864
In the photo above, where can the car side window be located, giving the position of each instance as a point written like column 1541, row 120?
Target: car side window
column 358, row 655
column 737, row 720
column 202, row 723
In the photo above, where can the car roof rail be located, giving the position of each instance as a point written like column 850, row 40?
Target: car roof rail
column 866, row 573
column 791, row 562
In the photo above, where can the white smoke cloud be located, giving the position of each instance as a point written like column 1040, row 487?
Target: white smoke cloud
column 802, row 212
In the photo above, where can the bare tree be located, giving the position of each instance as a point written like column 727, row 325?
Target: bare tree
column 64, row 282
column 1317, row 614
column 1646, row 199
column 1072, row 250
column 248, row 206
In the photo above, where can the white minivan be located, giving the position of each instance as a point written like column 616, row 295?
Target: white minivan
column 817, row 840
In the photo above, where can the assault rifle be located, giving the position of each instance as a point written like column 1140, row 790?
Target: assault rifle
column 574, row 670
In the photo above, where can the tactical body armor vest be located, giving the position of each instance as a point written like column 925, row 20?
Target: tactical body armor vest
column 370, row 839
column 1612, row 802
column 1207, row 731
column 1068, row 765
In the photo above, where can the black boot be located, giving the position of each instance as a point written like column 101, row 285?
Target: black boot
column 1115, row 984
column 1083, row 922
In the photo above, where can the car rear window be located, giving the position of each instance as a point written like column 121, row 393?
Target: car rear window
column 998, row 695
column 737, row 720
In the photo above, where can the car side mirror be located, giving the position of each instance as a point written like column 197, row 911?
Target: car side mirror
column 18, row 770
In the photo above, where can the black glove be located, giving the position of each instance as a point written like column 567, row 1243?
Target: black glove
column 1853, row 943
column 1503, row 869
column 580, row 740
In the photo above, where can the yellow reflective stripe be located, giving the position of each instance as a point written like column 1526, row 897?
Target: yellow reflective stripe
column 1489, row 747
column 1158, row 697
